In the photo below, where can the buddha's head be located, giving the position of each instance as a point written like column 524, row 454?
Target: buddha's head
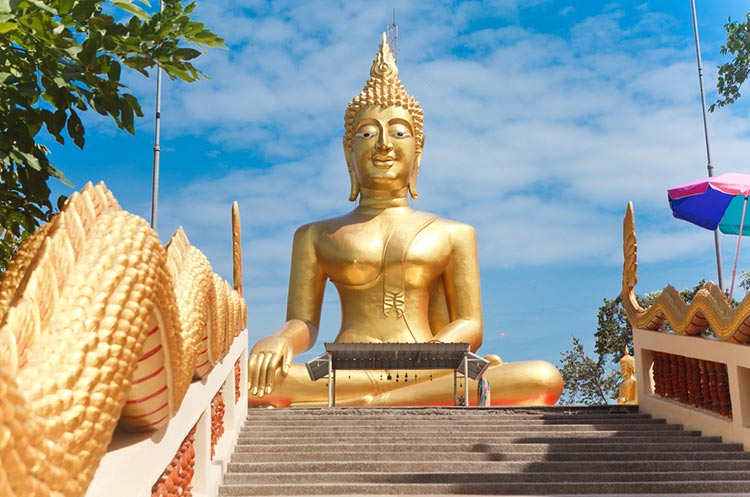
column 383, row 136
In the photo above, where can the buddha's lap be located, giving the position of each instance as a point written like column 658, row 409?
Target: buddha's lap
column 522, row 374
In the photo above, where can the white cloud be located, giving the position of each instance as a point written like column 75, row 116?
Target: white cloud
column 525, row 127
column 567, row 10
column 537, row 139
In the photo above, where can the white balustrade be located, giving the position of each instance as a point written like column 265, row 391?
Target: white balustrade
column 736, row 357
column 135, row 461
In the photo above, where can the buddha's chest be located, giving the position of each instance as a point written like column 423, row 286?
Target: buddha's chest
column 359, row 254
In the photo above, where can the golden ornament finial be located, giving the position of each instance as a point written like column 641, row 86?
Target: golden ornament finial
column 384, row 65
column 236, row 248
column 630, row 267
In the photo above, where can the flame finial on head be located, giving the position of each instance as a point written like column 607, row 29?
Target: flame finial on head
column 384, row 66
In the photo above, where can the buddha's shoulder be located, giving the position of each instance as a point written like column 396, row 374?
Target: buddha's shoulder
column 316, row 228
column 451, row 226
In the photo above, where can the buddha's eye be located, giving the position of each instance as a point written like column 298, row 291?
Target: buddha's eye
column 400, row 131
column 366, row 132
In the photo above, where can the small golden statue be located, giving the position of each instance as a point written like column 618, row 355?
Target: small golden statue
column 627, row 393
column 402, row 275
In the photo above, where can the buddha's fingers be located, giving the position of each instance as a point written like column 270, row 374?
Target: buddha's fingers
column 286, row 359
column 271, row 383
column 253, row 365
column 269, row 364
column 283, row 365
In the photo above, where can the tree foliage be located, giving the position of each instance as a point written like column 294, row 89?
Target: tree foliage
column 24, row 199
column 733, row 73
column 745, row 280
column 613, row 332
column 594, row 381
column 587, row 381
column 61, row 58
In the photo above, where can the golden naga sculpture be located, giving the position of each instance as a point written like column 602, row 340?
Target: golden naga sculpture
column 402, row 275
column 627, row 391
column 99, row 325
column 709, row 307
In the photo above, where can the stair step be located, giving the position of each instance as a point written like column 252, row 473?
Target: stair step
column 519, row 436
column 476, row 425
column 692, row 445
column 538, row 456
column 441, row 413
column 473, row 477
column 451, row 410
column 484, row 466
column 599, row 488
column 470, row 429
column 348, row 418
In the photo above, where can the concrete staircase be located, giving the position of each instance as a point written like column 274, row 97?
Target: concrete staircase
column 487, row 451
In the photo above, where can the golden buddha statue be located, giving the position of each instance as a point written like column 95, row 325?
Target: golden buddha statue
column 627, row 392
column 402, row 275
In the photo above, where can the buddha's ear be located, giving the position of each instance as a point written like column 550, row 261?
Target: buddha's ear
column 415, row 172
column 354, row 193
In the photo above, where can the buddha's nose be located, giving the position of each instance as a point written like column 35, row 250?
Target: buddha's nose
column 384, row 142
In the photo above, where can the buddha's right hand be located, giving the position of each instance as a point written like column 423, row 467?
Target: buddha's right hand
column 269, row 356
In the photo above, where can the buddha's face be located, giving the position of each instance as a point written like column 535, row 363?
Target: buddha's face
column 384, row 152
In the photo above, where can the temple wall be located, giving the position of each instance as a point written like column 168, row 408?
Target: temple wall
column 135, row 461
column 717, row 415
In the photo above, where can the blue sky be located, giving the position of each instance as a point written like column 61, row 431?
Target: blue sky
column 542, row 120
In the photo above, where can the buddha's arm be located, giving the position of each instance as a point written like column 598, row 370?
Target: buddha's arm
column 462, row 293
column 275, row 352
column 628, row 393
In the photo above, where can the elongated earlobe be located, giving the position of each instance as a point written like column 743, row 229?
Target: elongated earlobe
column 414, row 174
column 354, row 192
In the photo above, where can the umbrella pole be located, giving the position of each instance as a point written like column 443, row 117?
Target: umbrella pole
column 737, row 252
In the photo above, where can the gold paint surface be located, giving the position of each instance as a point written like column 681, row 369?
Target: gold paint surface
column 709, row 307
column 401, row 275
column 99, row 325
column 627, row 390
column 236, row 248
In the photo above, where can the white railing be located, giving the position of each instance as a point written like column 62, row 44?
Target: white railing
column 135, row 461
column 731, row 357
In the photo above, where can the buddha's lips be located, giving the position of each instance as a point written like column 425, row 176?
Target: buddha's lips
column 383, row 161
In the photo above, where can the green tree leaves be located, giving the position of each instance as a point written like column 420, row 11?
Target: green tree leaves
column 24, row 200
column 733, row 73
column 59, row 58
column 587, row 381
column 594, row 381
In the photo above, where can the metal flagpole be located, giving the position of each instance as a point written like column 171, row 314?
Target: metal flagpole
column 392, row 36
column 157, row 147
column 705, row 133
